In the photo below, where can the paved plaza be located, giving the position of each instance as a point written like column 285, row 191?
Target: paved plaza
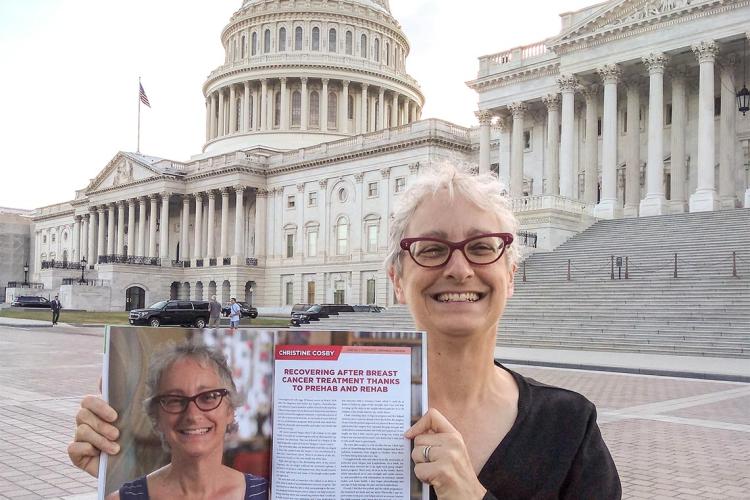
column 670, row 437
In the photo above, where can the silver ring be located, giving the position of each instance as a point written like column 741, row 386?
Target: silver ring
column 426, row 453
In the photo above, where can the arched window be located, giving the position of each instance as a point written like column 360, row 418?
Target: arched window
column 298, row 38
column 237, row 125
column 244, row 46
column 332, row 40
column 333, row 107
column 387, row 53
column 254, row 44
column 282, row 39
column 277, row 109
column 350, row 108
column 267, row 42
column 296, row 108
column 363, row 46
column 315, row 45
column 314, row 109
column 349, row 43
column 342, row 236
column 376, row 50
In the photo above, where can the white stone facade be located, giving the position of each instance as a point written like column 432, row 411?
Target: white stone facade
column 630, row 110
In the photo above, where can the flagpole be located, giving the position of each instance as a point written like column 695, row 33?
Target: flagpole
column 138, row 147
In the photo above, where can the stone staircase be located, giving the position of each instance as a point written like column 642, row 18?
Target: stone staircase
column 705, row 311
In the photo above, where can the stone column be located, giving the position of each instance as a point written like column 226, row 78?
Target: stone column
column 655, row 202
column 591, row 151
column 214, row 121
column 518, row 109
column 84, row 238
column 270, row 218
column 223, row 250
column 261, row 196
column 264, row 104
column 705, row 197
column 211, row 243
column 232, row 110
column 363, row 117
column 344, row 105
column 381, row 109
column 256, row 108
column 305, row 106
column 568, row 85
column 485, row 119
column 208, row 118
column 152, row 225
column 184, row 229
column 727, row 133
column 633, row 155
column 198, row 227
column 121, row 227
column 552, row 160
column 141, row 227
column 284, row 122
column 239, row 225
column 607, row 207
column 131, row 227
column 394, row 110
column 101, row 225
column 323, row 108
column 92, row 230
column 77, row 237
column 164, row 228
column 111, row 229
column 220, row 126
column 678, row 198
column 246, row 109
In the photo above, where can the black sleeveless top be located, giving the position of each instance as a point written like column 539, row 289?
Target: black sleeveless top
column 256, row 488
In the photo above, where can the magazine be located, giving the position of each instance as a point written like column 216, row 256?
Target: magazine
column 330, row 407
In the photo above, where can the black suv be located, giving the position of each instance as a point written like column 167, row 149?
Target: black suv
column 246, row 311
column 317, row 311
column 172, row 312
column 31, row 301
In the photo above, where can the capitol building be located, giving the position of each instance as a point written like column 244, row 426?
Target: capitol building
column 313, row 130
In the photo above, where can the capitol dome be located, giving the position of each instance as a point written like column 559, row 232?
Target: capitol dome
column 302, row 72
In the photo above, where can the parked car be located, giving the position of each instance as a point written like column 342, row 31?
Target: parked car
column 317, row 311
column 172, row 312
column 246, row 310
column 371, row 308
column 31, row 301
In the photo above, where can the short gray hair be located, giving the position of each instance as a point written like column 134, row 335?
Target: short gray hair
column 483, row 190
column 168, row 356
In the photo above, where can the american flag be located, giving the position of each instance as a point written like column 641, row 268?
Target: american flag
column 142, row 94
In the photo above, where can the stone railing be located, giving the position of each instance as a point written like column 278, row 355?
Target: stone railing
column 547, row 202
column 86, row 282
column 21, row 284
column 129, row 259
column 515, row 57
column 60, row 264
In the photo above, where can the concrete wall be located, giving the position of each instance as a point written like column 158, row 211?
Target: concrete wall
column 14, row 247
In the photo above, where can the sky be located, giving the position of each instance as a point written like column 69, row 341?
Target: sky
column 70, row 73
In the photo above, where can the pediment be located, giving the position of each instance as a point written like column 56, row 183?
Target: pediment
column 619, row 15
column 124, row 169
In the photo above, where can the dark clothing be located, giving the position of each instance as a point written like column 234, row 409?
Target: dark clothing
column 554, row 450
column 56, row 306
column 256, row 488
column 214, row 309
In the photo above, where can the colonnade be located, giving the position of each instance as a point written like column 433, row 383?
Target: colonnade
column 560, row 163
column 306, row 104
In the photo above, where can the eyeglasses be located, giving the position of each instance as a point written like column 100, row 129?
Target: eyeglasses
column 205, row 401
column 479, row 250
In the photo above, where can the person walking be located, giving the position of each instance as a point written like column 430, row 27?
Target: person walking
column 214, row 313
column 55, row 305
column 234, row 313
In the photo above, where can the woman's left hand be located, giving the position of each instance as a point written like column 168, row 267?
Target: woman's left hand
column 449, row 468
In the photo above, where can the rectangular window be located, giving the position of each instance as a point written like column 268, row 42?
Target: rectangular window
column 717, row 106
column 668, row 116
column 289, row 246
column 311, row 292
column 400, row 184
column 290, row 201
column 372, row 238
column 339, row 292
column 312, row 199
column 312, row 244
column 527, row 140
column 372, row 189
column 289, row 289
column 371, row 291
column 598, row 127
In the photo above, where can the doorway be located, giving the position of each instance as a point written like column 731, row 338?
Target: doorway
column 135, row 298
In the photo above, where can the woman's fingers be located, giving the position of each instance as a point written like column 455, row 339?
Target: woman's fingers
column 84, row 456
column 86, row 417
column 85, row 434
column 432, row 421
column 99, row 407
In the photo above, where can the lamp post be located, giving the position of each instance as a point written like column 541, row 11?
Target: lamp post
column 83, row 267
column 743, row 96
column 26, row 274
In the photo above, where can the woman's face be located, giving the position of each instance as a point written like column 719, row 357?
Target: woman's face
column 458, row 299
column 193, row 432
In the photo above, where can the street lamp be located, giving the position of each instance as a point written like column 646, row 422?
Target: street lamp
column 26, row 273
column 743, row 96
column 83, row 267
